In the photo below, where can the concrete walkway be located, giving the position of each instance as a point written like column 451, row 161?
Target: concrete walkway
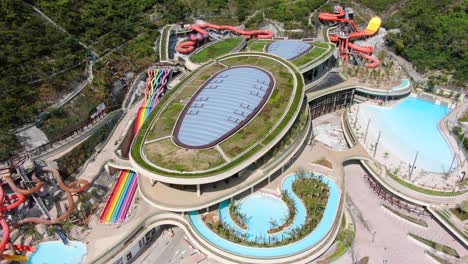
column 381, row 235
column 108, row 152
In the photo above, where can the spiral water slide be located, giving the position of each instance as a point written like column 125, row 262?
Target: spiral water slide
column 74, row 187
column 10, row 202
column 363, row 51
column 188, row 46
column 7, row 203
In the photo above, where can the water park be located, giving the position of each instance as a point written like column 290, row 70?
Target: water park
column 244, row 141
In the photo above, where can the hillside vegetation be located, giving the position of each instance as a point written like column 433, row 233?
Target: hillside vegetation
column 32, row 50
column 433, row 34
column 40, row 63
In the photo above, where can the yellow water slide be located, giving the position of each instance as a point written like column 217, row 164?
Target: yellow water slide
column 373, row 26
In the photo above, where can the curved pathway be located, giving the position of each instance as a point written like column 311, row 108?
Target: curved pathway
column 380, row 234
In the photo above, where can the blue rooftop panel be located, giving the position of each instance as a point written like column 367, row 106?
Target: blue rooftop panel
column 225, row 103
column 288, row 49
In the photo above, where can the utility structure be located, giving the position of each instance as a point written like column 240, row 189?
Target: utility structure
column 347, row 32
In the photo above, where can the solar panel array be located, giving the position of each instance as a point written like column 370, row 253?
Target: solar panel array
column 288, row 49
column 224, row 104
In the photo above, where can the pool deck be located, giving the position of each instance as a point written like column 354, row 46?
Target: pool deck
column 436, row 181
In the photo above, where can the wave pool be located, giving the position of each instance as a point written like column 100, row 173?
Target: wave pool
column 412, row 126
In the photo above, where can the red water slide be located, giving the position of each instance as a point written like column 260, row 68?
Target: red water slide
column 188, row 46
column 10, row 202
column 345, row 45
column 7, row 203
column 73, row 187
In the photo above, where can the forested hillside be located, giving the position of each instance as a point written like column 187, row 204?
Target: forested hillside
column 433, row 36
column 31, row 50
column 39, row 63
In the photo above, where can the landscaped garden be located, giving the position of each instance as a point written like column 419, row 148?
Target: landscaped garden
column 215, row 50
column 461, row 211
column 279, row 228
column 258, row 45
column 319, row 51
column 437, row 246
column 406, row 217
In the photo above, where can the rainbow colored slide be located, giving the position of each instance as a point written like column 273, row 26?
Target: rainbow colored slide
column 120, row 199
column 116, row 209
column 155, row 83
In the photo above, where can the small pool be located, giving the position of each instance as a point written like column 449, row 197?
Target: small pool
column 403, row 85
column 56, row 252
column 412, row 126
column 262, row 210
column 254, row 208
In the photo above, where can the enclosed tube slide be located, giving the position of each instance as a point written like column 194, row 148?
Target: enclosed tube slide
column 363, row 51
column 188, row 46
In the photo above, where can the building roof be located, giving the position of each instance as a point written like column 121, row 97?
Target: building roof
column 225, row 103
column 288, row 49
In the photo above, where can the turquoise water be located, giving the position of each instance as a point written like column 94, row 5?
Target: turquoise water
column 261, row 210
column 403, row 85
column 253, row 210
column 412, row 126
column 56, row 252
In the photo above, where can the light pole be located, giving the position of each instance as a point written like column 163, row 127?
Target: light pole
column 355, row 118
column 377, row 143
column 414, row 163
column 367, row 131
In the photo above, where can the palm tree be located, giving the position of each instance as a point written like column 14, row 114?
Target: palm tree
column 29, row 230
column 273, row 223
column 301, row 174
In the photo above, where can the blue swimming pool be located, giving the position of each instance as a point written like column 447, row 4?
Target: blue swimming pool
column 412, row 126
column 305, row 243
column 261, row 209
column 55, row 252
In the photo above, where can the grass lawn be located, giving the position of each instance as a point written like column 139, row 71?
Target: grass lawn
column 459, row 213
column 314, row 54
column 437, row 246
column 407, row 217
column 420, row 189
column 170, row 156
column 345, row 238
column 257, row 45
column 216, row 50
column 163, row 47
